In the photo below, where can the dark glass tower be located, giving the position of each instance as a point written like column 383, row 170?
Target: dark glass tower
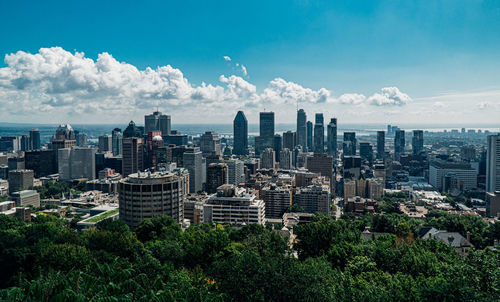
column 380, row 144
column 349, row 145
column 267, row 129
column 302, row 129
column 417, row 143
column 309, row 136
column 319, row 134
column 34, row 140
column 331, row 137
column 399, row 143
column 240, row 132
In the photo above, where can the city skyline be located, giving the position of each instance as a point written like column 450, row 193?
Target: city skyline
column 332, row 58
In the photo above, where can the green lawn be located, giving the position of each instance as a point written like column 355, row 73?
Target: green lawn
column 103, row 216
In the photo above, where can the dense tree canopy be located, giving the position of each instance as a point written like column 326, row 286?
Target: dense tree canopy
column 46, row 260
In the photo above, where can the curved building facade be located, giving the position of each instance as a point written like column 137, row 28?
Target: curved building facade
column 145, row 195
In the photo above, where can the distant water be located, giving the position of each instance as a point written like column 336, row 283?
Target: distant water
column 93, row 131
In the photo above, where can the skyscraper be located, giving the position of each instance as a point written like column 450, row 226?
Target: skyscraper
column 285, row 159
column 76, row 162
column 210, row 143
column 116, row 141
column 319, row 134
column 216, row 176
column 349, row 144
column 399, row 143
column 417, row 143
column 157, row 122
column 105, row 143
column 133, row 155
column 277, row 146
column 366, row 151
column 289, row 140
column 267, row 159
column 267, row 129
column 309, row 136
column 240, row 132
column 380, row 144
column 493, row 164
column 331, row 137
column 302, row 129
column 235, row 171
column 193, row 161
column 35, row 139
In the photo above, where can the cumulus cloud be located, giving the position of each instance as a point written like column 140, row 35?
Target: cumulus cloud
column 55, row 80
column 389, row 96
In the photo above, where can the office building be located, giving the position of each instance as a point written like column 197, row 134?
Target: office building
column 25, row 143
column 331, row 137
column 277, row 146
column 380, row 144
column 193, row 162
column 81, row 139
column 399, row 143
column 319, row 134
column 154, row 142
column 35, row 139
column 366, row 151
column 157, row 122
column 277, row 200
column 417, row 142
column 267, row 159
column 234, row 206
column 314, row 199
column 462, row 171
column 26, row 198
column 64, row 137
column 146, row 195
column 216, row 176
column 493, row 163
column 285, row 159
column 240, row 133
column 175, row 138
column 20, row 180
column 493, row 204
column 289, row 138
column 16, row 163
column 349, row 144
column 116, row 141
column 320, row 163
column 133, row 131
column 76, row 163
column 235, row 171
column 105, row 143
column 309, row 136
column 132, row 155
column 42, row 162
column 10, row 144
column 210, row 143
column 266, row 134
column 302, row 129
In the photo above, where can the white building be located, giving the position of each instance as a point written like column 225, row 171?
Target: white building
column 234, row 206
column 76, row 162
column 235, row 171
column 463, row 171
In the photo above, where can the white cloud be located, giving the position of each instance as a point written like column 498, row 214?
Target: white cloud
column 352, row 98
column 281, row 91
column 389, row 96
column 244, row 70
column 227, row 58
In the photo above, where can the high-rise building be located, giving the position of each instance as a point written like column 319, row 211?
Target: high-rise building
column 132, row 155
column 331, row 137
column 25, row 143
column 289, row 140
column 210, row 143
column 81, row 139
column 193, row 162
column 314, row 199
column 146, row 195
column 349, row 144
column 42, row 162
column 463, row 172
column 277, row 200
column 302, row 129
column 157, row 122
column 64, row 138
column 493, row 164
column 240, row 132
column 309, row 136
column 366, row 151
column 399, row 143
column 267, row 159
column 235, row 171
column 20, row 180
column 116, row 141
column 492, row 204
column 132, row 131
column 266, row 130
column 417, row 143
column 216, row 176
column 320, row 163
column 76, row 163
column 285, row 159
column 35, row 139
column 319, row 134
column 380, row 144
column 105, row 143
column 277, row 146
column 154, row 142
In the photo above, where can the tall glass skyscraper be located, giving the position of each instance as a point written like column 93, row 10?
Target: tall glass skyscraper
column 331, row 137
column 34, row 140
column 417, row 143
column 302, row 129
column 240, row 132
column 349, row 145
column 267, row 129
column 399, row 143
column 380, row 144
column 309, row 136
column 319, row 134
column 157, row 122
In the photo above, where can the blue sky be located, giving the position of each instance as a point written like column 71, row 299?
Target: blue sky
column 426, row 49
